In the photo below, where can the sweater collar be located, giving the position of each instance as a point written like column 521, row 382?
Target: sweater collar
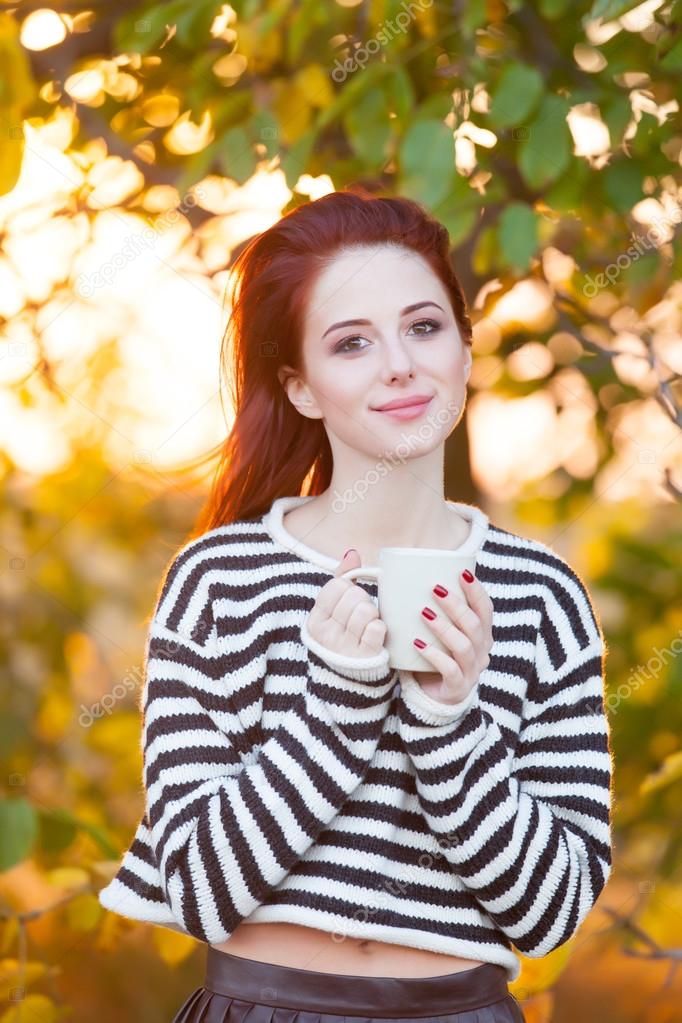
column 272, row 521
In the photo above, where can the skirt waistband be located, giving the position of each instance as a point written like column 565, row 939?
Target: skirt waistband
column 290, row 988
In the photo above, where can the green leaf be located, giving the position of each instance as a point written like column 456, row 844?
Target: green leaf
column 460, row 210
column 623, row 184
column 237, row 159
column 368, row 128
column 553, row 9
column 546, row 152
column 18, row 831
column 305, row 21
column 434, row 108
column 141, row 29
column 352, row 92
column 295, row 161
column 473, row 15
column 607, row 10
column 193, row 25
column 427, row 162
column 265, row 129
column 401, row 95
column 673, row 58
column 517, row 94
column 486, row 251
column 569, row 192
column 616, row 115
column 57, row 830
column 518, row 234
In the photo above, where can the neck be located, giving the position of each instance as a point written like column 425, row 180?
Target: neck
column 395, row 504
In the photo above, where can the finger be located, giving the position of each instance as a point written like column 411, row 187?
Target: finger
column 352, row 598
column 479, row 600
column 456, row 609
column 375, row 634
column 360, row 617
column 449, row 669
column 351, row 559
column 455, row 640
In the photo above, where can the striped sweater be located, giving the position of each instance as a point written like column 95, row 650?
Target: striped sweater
column 283, row 782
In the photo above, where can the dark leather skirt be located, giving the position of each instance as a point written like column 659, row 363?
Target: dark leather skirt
column 238, row 990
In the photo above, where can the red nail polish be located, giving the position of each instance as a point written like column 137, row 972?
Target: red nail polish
column 440, row 591
column 420, row 643
column 467, row 575
column 428, row 613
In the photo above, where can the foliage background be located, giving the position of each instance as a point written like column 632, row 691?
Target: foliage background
column 547, row 138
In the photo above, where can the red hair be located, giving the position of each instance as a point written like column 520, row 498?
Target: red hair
column 272, row 450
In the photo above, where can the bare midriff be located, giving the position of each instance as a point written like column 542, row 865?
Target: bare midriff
column 307, row 948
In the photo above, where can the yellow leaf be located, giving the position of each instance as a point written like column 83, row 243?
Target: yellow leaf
column 36, row 1008
column 10, row 934
column 117, row 733
column 12, row 150
column 161, row 109
column 54, row 715
column 426, row 19
column 262, row 50
column 539, row 1009
column 313, row 81
column 19, row 89
column 14, row 974
column 68, row 877
column 597, row 555
column 84, row 912
column 19, row 92
column 293, row 110
column 660, row 917
column 540, row 974
column 669, row 771
column 172, row 946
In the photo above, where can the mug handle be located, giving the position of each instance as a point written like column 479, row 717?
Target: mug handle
column 369, row 572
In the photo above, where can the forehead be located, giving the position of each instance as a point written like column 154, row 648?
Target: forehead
column 369, row 282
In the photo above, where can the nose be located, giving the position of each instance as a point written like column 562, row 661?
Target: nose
column 398, row 364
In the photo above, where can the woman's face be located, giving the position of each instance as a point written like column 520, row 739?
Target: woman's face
column 397, row 351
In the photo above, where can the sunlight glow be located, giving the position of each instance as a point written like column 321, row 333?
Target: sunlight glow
column 41, row 29
column 590, row 134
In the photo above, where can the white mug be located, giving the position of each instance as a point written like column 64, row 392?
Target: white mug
column 406, row 577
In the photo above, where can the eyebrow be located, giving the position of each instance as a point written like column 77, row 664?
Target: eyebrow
column 368, row 323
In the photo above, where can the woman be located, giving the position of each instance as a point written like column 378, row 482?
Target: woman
column 346, row 838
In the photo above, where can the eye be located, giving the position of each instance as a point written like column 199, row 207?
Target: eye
column 341, row 347
column 430, row 323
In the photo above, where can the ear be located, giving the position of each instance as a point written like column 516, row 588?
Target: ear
column 298, row 393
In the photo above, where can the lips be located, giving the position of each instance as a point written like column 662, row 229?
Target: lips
column 409, row 402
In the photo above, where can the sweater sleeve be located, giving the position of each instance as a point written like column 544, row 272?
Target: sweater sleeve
column 227, row 828
column 526, row 825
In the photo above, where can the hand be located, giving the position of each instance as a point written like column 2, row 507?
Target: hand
column 464, row 627
column 344, row 618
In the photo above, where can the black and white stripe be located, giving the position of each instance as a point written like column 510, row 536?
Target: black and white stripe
column 283, row 782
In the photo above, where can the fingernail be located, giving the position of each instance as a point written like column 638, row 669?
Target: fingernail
column 420, row 643
column 440, row 591
column 348, row 552
column 467, row 575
